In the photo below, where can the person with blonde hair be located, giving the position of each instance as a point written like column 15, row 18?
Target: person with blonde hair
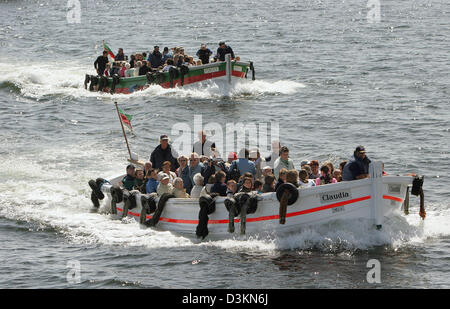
column 281, row 178
column 183, row 172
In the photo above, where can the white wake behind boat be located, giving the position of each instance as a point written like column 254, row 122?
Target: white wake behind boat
column 376, row 198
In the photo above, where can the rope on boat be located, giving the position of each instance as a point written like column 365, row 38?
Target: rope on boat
column 115, row 82
column 252, row 68
column 148, row 206
column 283, row 206
column 173, row 74
column 161, row 204
column 116, row 197
column 230, row 204
column 103, row 82
column 241, row 205
column 150, row 78
column 126, row 203
column 406, row 202
column 183, row 71
column 87, row 79
column 96, row 194
column 94, row 82
column 207, row 207
column 417, row 190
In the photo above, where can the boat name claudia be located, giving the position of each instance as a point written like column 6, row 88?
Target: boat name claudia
column 335, row 196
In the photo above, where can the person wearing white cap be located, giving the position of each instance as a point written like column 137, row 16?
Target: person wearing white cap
column 164, row 185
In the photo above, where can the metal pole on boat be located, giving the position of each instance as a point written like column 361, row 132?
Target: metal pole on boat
column 376, row 176
column 123, row 129
column 228, row 67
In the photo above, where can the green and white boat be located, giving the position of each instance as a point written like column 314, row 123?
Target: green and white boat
column 226, row 70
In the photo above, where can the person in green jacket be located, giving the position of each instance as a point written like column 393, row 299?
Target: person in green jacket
column 283, row 161
column 129, row 181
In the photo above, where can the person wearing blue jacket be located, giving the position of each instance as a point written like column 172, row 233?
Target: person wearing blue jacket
column 243, row 164
column 155, row 58
column 152, row 183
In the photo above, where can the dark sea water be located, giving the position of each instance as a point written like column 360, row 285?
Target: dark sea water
column 329, row 76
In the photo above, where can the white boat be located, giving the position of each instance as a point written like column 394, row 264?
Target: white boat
column 375, row 198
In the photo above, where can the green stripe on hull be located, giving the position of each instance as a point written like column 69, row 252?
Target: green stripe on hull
column 139, row 81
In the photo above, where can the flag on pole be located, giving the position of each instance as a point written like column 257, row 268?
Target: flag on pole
column 110, row 53
column 126, row 119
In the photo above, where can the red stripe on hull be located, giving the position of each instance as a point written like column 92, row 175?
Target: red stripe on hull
column 187, row 81
column 264, row 218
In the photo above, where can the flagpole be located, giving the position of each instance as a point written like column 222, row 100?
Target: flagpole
column 123, row 129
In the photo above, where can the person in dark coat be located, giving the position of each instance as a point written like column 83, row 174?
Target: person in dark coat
column 100, row 63
column 358, row 165
column 120, row 55
column 164, row 152
column 222, row 51
column 204, row 53
column 155, row 58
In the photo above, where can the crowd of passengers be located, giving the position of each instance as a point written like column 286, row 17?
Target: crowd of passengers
column 203, row 172
column 141, row 64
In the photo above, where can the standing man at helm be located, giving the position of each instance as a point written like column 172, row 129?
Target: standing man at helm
column 203, row 146
column 222, row 51
column 358, row 165
column 164, row 152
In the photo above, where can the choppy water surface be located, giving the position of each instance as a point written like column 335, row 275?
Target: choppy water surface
column 328, row 76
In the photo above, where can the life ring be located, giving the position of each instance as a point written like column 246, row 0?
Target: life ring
column 183, row 71
column 94, row 82
column 115, row 82
column 173, row 74
column 87, row 79
column 293, row 192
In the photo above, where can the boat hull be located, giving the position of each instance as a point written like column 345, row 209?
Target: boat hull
column 194, row 75
column 316, row 205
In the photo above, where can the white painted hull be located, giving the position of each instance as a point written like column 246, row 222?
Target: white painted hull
column 341, row 201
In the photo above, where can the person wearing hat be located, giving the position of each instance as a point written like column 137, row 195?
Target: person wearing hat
column 155, row 58
column 164, row 185
column 222, row 51
column 129, row 180
column 164, row 152
column 357, row 166
column 204, row 53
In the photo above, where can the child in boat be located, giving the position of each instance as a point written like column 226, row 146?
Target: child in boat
column 152, row 182
column 281, row 178
column 292, row 177
column 164, row 186
column 179, row 191
column 325, row 177
column 269, row 184
column 304, row 181
column 220, row 187
column 231, row 187
column 247, row 185
column 257, row 186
